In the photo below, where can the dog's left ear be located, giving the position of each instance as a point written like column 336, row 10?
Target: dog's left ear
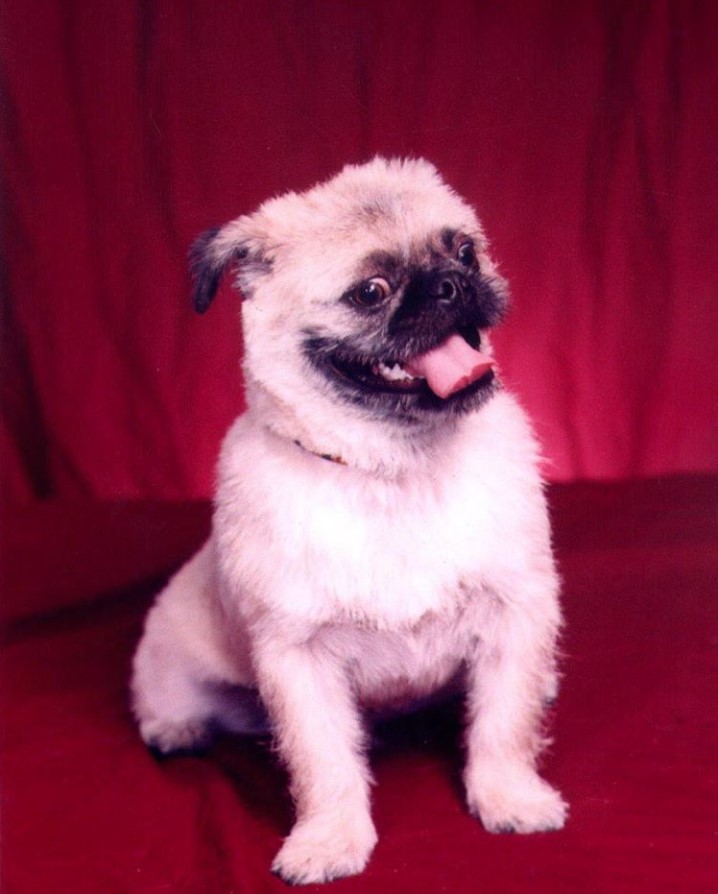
column 217, row 250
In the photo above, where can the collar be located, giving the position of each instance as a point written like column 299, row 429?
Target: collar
column 328, row 456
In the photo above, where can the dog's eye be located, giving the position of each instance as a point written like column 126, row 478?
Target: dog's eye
column 466, row 254
column 371, row 293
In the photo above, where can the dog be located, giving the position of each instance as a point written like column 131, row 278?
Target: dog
column 380, row 531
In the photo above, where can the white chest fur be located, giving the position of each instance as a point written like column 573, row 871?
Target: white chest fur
column 322, row 542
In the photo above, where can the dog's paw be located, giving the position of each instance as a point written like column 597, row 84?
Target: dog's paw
column 165, row 738
column 323, row 849
column 510, row 799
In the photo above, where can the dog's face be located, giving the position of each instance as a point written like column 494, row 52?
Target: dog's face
column 373, row 290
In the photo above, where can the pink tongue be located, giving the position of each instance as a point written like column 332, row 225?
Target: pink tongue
column 451, row 366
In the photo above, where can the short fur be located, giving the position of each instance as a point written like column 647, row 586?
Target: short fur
column 417, row 561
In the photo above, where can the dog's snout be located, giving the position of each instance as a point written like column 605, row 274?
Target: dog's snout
column 434, row 298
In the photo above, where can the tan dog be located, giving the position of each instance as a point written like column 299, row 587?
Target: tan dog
column 380, row 532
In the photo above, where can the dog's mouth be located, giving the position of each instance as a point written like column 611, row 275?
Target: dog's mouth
column 447, row 369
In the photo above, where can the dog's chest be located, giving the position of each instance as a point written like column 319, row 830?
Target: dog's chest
column 334, row 549
column 323, row 543
column 394, row 551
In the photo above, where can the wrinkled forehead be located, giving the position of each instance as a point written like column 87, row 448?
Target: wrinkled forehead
column 378, row 231
column 424, row 250
column 406, row 219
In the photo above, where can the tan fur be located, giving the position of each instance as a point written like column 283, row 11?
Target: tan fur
column 422, row 561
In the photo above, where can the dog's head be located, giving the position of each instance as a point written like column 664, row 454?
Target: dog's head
column 372, row 291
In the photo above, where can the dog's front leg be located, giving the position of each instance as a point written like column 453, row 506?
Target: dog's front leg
column 508, row 677
column 320, row 738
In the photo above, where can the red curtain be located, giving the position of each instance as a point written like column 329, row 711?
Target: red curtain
column 584, row 132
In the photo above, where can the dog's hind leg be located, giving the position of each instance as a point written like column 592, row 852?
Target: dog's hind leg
column 185, row 680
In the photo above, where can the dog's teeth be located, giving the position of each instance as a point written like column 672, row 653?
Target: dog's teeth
column 394, row 373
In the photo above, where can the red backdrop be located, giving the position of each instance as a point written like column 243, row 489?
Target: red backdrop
column 585, row 134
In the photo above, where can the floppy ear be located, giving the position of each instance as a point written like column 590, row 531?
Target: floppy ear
column 206, row 269
column 215, row 251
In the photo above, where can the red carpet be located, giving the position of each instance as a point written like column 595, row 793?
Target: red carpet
column 85, row 809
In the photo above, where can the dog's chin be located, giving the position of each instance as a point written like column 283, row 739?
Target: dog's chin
column 382, row 389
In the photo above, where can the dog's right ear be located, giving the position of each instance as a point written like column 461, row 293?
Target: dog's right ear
column 216, row 250
column 206, row 268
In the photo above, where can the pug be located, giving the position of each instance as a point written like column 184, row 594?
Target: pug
column 380, row 533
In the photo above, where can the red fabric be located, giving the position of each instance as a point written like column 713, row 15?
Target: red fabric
column 585, row 132
column 58, row 555
column 85, row 809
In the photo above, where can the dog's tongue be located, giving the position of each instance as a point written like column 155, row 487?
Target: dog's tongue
column 451, row 366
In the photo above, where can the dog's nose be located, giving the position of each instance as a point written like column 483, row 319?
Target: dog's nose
column 446, row 287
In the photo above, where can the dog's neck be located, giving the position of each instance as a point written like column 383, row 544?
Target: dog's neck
column 346, row 440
